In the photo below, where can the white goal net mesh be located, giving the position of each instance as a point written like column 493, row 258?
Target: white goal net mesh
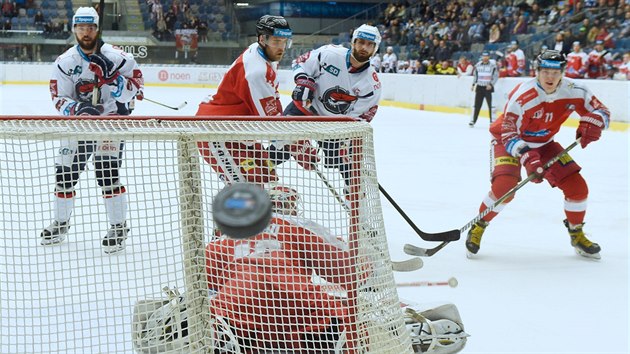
column 317, row 282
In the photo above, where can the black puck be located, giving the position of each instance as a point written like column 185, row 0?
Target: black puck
column 241, row 210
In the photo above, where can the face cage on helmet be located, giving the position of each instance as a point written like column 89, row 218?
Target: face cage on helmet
column 286, row 203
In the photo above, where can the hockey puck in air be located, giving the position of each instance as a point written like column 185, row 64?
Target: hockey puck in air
column 241, row 210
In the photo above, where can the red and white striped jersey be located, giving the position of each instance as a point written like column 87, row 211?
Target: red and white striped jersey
column 532, row 117
column 249, row 88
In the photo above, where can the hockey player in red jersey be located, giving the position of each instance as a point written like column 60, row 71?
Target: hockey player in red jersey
column 577, row 62
column 599, row 61
column 264, row 288
column 524, row 136
column 249, row 88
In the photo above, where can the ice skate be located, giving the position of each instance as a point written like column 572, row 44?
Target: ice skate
column 55, row 233
column 473, row 241
column 583, row 246
column 114, row 241
column 471, row 124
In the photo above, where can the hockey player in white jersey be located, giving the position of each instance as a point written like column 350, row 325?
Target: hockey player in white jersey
column 336, row 81
column 118, row 79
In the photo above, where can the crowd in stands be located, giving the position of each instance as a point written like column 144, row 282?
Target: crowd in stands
column 164, row 17
column 428, row 37
column 32, row 15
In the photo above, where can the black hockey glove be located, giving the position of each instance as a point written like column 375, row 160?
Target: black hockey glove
column 85, row 109
column 304, row 91
column 103, row 68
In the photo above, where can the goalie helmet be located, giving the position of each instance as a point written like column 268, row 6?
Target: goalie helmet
column 550, row 59
column 369, row 33
column 85, row 15
column 284, row 200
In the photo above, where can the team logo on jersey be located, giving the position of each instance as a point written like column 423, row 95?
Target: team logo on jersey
column 338, row 100
column 270, row 106
column 83, row 89
column 538, row 114
column 332, row 69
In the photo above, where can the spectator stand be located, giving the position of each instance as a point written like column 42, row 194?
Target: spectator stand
column 213, row 19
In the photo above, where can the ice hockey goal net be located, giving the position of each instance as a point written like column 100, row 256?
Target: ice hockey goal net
column 72, row 297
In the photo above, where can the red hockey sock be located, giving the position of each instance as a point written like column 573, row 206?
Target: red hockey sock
column 500, row 185
column 575, row 195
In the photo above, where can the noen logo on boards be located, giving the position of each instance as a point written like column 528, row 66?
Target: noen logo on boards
column 164, row 75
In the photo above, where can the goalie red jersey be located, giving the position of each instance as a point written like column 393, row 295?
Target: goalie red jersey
column 264, row 285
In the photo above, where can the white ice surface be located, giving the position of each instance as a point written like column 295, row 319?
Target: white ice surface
column 527, row 291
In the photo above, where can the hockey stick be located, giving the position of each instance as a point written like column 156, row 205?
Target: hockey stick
column 452, row 282
column 408, row 265
column 167, row 106
column 418, row 251
column 99, row 36
column 436, row 237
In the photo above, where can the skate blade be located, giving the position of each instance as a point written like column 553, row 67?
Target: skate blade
column 114, row 249
column 593, row 256
column 470, row 255
column 52, row 241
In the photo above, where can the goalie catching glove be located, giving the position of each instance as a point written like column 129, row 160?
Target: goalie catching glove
column 304, row 93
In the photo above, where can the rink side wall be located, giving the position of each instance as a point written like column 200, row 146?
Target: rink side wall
column 423, row 92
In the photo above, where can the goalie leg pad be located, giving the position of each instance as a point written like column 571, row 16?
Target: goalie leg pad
column 437, row 330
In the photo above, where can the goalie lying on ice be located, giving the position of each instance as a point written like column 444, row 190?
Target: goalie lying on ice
column 263, row 298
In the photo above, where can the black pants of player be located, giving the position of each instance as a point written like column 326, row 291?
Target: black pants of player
column 331, row 149
column 480, row 93
column 105, row 167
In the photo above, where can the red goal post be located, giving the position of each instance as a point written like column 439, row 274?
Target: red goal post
column 72, row 297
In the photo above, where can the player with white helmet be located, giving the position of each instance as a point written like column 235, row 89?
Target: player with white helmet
column 336, row 81
column 117, row 78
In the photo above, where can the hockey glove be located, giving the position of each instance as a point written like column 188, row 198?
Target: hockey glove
column 305, row 154
column 254, row 163
column 104, row 69
column 532, row 163
column 86, row 109
column 304, row 92
column 589, row 130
